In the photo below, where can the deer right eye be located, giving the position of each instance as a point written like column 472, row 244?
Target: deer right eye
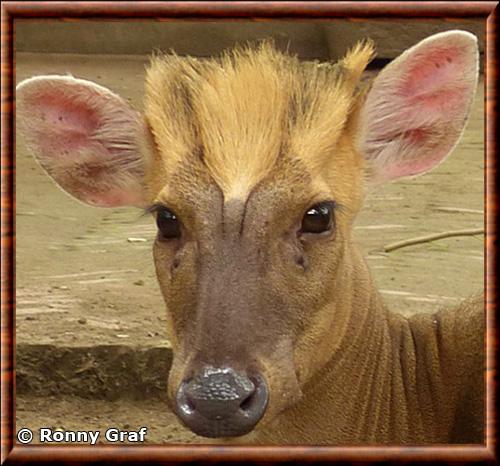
column 318, row 219
column 168, row 224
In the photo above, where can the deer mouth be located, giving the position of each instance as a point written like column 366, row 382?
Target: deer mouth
column 220, row 402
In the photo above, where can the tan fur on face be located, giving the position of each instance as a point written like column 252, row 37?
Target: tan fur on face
column 273, row 106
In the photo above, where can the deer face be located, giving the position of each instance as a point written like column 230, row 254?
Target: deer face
column 254, row 166
column 252, row 227
column 244, row 282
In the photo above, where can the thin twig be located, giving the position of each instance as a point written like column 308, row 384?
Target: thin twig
column 429, row 238
column 459, row 210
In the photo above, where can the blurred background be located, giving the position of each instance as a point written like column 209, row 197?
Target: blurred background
column 321, row 40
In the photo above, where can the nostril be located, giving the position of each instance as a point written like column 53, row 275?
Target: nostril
column 184, row 402
column 251, row 398
column 247, row 403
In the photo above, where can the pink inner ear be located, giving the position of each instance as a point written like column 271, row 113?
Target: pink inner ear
column 417, row 107
column 68, row 115
column 70, row 122
column 85, row 137
column 433, row 80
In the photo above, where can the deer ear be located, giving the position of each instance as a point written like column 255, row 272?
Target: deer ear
column 417, row 107
column 85, row 137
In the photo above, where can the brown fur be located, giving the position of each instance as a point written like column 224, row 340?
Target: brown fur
column 277, row 106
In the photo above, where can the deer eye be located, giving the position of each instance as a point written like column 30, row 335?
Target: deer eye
column 168, row 224
column 318, row 219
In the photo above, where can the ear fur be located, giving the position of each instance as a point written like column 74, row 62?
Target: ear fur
column 416, row 110
column 85, row 137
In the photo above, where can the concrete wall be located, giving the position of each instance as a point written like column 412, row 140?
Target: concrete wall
column 309, row 39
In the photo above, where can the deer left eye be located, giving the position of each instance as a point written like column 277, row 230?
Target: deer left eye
column 168, row 224
column 318, row 219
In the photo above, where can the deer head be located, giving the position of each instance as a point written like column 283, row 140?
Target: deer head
column 254, row 165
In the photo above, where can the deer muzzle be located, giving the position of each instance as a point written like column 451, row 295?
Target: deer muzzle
column 220, row 402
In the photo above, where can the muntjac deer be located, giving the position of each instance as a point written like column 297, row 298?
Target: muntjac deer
column 255, row 165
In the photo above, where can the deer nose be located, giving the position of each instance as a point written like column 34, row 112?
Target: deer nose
column 219, row 402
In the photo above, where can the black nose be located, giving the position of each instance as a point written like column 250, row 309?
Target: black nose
column 219, row 402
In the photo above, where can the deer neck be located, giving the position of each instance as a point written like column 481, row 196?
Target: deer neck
column 367, row 390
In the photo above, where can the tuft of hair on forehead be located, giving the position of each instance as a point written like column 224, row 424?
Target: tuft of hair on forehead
column 239, row 113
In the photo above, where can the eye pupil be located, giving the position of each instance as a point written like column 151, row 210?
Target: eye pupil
column 168, row 224
column 318, row 219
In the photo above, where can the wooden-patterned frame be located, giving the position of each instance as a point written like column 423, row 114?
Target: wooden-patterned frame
column 13, row 453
